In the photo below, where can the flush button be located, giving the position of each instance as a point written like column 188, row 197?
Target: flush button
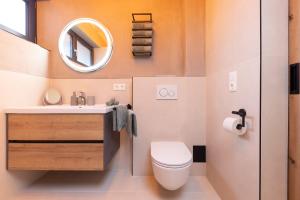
column 166, row 92
column 163, row 92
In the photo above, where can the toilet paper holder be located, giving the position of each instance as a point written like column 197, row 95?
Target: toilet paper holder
column 242, row 113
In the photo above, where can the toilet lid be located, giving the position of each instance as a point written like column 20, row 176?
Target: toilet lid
column 170, row 153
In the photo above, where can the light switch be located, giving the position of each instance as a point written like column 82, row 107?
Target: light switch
column 119, row 86
column 166, row 92
column 233, row 81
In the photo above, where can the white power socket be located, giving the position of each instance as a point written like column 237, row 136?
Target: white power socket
column 233, row 81
column 119, row 86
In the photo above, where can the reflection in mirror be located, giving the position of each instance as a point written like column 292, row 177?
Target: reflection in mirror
column 85, row 45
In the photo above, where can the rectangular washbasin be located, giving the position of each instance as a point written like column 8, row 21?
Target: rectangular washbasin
column 100, row 108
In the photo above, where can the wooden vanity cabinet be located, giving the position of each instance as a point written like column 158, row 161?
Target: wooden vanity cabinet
column 68, row 142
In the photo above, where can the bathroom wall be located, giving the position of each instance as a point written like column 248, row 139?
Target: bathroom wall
column 274, row 100
column 102, row 89
column 173, row 54
column 194, row 20
column 23, row 81
column 233, row 44
column 17, row 55
column 183, row 119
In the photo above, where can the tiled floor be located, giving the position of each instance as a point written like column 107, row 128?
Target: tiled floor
column 112, row 186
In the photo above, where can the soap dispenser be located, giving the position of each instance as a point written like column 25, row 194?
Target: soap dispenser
column 74, row 100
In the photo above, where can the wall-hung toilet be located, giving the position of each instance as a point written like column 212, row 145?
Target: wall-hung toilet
column 171, row 162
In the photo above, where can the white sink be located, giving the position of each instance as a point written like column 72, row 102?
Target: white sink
column 100, row 108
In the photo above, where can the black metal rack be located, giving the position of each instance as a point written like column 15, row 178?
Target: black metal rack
column 129, row 107
column 142, row 34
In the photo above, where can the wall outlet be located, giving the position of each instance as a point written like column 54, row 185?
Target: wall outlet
column 119, row 86
column 232, row 81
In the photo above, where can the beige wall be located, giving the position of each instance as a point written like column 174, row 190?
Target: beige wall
column 194, row 18
column 22, row 56
column 168, row 120
column 169, row 56
column 233, row 43
column 23, row 71
column 102, row 89
column 274, row 100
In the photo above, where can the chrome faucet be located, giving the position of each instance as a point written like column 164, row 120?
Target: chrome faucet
column 81, row 99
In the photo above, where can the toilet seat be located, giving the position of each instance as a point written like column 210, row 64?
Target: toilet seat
column 172, row 166
column 171, row 154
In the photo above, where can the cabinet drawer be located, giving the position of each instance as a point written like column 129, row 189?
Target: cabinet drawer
column 55, row 156
column 55, row 127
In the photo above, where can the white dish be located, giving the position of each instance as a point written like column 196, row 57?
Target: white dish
column 52, row 97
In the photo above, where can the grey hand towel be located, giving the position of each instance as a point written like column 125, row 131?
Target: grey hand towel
column 145, row 25
column 131, row 124
column 141, row 48
column 120, row 118
column 142, row 41
column 142, row 33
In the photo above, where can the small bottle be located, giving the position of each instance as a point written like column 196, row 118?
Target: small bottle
column 74, row 100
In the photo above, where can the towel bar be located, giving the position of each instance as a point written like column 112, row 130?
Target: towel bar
column 128, row 107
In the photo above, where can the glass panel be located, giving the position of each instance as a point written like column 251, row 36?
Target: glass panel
column 68, row 46
column 83, row 54
column 13, row 15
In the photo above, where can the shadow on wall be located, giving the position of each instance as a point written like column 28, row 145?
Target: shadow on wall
column 229, row 194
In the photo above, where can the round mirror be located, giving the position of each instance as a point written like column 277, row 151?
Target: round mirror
column 85, row 45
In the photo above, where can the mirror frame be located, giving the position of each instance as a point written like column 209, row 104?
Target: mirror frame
column 107, row 55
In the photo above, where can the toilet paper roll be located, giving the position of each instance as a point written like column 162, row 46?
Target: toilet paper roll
column 230, row 124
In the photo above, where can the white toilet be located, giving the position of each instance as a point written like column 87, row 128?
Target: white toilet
column 171, row 162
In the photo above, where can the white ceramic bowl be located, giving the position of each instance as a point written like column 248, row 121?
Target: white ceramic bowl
column 171, row 178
